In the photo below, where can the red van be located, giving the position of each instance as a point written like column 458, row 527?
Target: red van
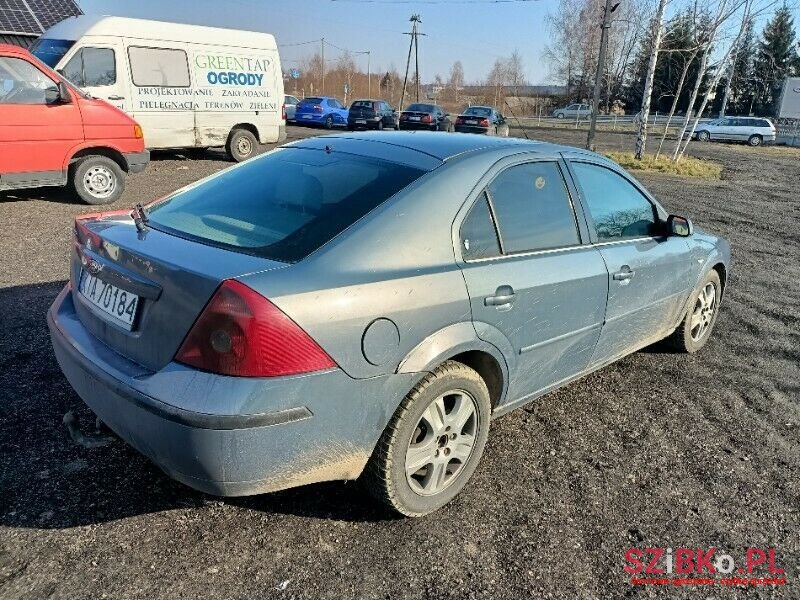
column 52, row 134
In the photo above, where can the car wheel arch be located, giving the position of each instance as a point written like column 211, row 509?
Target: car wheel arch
column 247, row 127
column 460, row 342
column 106, row 151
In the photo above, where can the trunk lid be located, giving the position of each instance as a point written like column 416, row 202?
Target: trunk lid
column 173, row 277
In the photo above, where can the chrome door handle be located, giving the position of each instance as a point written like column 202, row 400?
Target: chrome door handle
column 116, row 97
column 624, row 274
column 503, row 298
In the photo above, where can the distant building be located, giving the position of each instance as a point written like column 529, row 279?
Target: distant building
column 22, row 21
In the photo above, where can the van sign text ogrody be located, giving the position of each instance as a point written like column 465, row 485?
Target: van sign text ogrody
column 232, row 70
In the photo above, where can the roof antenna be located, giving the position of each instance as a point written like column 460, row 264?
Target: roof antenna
column 525, row 133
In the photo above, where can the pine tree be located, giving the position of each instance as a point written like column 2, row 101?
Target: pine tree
column 776, row 59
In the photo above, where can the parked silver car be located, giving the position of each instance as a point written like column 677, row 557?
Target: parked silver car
column 290, row 105
column 573, row 111
column 753, row 130
column 363, row 305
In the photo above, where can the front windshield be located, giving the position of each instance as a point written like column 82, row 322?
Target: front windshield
column 50, row 51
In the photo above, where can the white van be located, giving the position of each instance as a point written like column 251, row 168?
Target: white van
column 186, row 85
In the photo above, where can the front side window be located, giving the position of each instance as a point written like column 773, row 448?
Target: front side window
column 619, row 210
column 533, row 209
column 284, row 205
column 158, row 67
column 478, row 235
column 22, row 83
column 92, row 67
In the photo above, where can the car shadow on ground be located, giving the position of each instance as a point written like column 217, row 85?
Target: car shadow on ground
column 47, row 481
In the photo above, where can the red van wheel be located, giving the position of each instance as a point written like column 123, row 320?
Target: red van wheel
column 97, row 180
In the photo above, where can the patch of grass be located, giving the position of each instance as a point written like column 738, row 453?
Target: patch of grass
column 687, row 167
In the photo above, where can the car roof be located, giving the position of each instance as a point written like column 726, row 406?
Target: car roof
column 433, row 145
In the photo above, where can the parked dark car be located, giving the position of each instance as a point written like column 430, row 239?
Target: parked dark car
column 366, row 304
column 371, row 114
column 431, row 117
column 482, row 119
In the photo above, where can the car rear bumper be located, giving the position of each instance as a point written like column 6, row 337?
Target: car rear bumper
column 316, row 118
column 288, row 431
column 369, row 123
column 137, row 161
column 415, row 125
column 470, row 129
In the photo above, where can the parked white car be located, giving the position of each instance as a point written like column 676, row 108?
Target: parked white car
column 753, row 130
column 579, row 111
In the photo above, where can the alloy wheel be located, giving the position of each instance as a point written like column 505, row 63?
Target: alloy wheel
column 703, row 313
column 442, row 442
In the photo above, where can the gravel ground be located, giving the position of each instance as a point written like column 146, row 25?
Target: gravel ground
column 657, row 450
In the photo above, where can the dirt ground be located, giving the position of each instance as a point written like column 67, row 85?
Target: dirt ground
column 657, row 450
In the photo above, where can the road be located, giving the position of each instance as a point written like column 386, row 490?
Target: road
column 657, row 450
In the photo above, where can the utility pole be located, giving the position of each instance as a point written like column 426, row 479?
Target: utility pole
column 322, row 54
column 369, row 77
column 414, row 44
column 610, row 7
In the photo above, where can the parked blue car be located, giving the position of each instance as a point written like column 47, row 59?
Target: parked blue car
column 321, row 110
column 362, row 305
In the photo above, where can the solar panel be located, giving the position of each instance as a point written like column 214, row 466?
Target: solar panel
column 33, row 17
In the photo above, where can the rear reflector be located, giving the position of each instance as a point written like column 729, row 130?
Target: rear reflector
column 241, row 333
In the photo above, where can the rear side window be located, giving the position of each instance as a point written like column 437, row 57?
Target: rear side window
column 478, row 235
column 158, row 67
column 282, row 206
column 533, row 208
column 617, row 208
column 92, row 67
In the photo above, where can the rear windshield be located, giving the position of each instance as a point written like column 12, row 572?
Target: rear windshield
column 311, row 101
column 50, row 51
column 284, row 205
column 362, row 104
column 421, row 108
column 479, row 111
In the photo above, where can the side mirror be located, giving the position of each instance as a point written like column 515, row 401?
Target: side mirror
column 64, row 96
column 679, row 226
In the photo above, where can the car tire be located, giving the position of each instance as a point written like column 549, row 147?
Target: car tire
column 698, row 322
column 755, row 140
column 455, row 393
column 703, row 136
column 241, row 145
column 97, row 180
column 379, row 126
column 328, row 122
column 560, row 115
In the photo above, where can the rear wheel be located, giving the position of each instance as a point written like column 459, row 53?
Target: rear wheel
column 97, row 180
column 755, row 140
column 241, row 145
column 329, row 122
column 434, row 442
column 695, row 329
column 380, row 125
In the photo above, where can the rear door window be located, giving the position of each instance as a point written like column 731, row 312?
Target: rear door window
column 158, row 67
column 533, row 208
column 618, row 210
column 284, row 205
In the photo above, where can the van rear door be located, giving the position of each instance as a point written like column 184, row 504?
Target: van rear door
column 97, row 65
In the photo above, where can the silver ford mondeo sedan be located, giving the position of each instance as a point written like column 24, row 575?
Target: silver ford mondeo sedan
column 363, row 305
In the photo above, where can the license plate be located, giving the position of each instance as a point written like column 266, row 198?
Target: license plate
column 113, row 301
column 361, row 121
column 415, row 118
column 472, row 122
column 307, row 116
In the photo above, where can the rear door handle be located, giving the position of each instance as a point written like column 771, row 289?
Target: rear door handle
column 624, row 274
column 116, row 97
column 503, row 298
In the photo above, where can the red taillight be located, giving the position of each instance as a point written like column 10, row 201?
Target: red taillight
column 283, row 112
column 427, row 119
column 317, row 108
column 485, row 123
column 403, row 117
column 241, row 333
column 459, row 120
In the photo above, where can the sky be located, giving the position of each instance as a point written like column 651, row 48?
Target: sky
column 475, row 33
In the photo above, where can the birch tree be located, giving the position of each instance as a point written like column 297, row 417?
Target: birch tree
column 658, row 34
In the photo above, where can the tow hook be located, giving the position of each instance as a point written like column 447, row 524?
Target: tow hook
column 95, row 439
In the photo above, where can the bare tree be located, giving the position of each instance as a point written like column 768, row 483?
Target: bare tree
column 456, row 81
column 515, row 73
column 657, row 35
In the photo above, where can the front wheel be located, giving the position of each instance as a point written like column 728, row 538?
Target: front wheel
column 241, row 145
column 695, row 329
column 755, row 140
column 559, row 115
column 433, row 443
column 703, row 136
column 97, row 180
